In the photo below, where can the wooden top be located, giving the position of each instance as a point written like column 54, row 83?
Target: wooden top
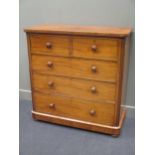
column 80, row 30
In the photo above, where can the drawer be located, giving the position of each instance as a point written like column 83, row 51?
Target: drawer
column 96, row 48
column 50, row 44
column 96, row 70
column 76, row 88
column 75, row 109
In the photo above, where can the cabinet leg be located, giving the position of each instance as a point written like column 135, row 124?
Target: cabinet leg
column 34, row 118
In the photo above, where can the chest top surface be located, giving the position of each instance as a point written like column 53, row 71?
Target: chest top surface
column 80, row 30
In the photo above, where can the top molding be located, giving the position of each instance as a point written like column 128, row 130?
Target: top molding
column 80, row 30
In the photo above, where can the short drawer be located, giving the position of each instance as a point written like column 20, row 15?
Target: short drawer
column 77, row 88
column 96, row 48
column 75, row 109
column 49, row 44
column 96, row 70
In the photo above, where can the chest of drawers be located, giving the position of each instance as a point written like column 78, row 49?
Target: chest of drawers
column 78, row 75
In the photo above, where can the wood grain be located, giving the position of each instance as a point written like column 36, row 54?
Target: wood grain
column 104, row 92
column 77, row 109
column 80, row 30
column 113, row 130
column 106, row 71
column 59, row 44
column 106, row 48
column 78, row 75
column 122, row 78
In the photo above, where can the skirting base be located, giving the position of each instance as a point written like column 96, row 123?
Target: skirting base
column 112, row 130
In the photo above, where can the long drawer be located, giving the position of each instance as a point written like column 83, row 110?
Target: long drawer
column 77, row 88
column 75, row 109
column 96, row 70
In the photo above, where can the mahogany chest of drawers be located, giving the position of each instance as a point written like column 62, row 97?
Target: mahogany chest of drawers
column 78, row 75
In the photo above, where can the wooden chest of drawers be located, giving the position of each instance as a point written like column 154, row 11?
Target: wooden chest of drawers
column 78, row 75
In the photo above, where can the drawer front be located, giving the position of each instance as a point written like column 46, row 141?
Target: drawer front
column 50, row 44
column 76, row 109
column 97, row 70
column 84, row 89
column 100, row 48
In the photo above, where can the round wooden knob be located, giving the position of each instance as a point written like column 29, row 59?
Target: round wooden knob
column 52, row 105
column 94, row 69
column 50, row 84
column 93, row 89
column 92, row 112
column 48, row 45
column 49, row 63
column 94, row 48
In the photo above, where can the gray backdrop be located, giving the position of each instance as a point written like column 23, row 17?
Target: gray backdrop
column 84, row 12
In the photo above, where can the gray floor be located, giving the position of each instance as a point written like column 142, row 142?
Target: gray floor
column 39, row 138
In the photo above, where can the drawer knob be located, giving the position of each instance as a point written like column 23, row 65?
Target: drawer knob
column 50, row 84
column 52, row 105
column 49, row 63
column 92, row 112
column 93, row 89
column 94, row 48
column 48, row 45
column 94, row 69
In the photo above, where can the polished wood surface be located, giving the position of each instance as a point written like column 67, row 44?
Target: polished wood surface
column 80, row 30
column 78, row 75
column 97, row 70
column 50, row 44
column 96, row 48
column 75, row 108
column 122, row 78
column 77, row 88
column 108, row 129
